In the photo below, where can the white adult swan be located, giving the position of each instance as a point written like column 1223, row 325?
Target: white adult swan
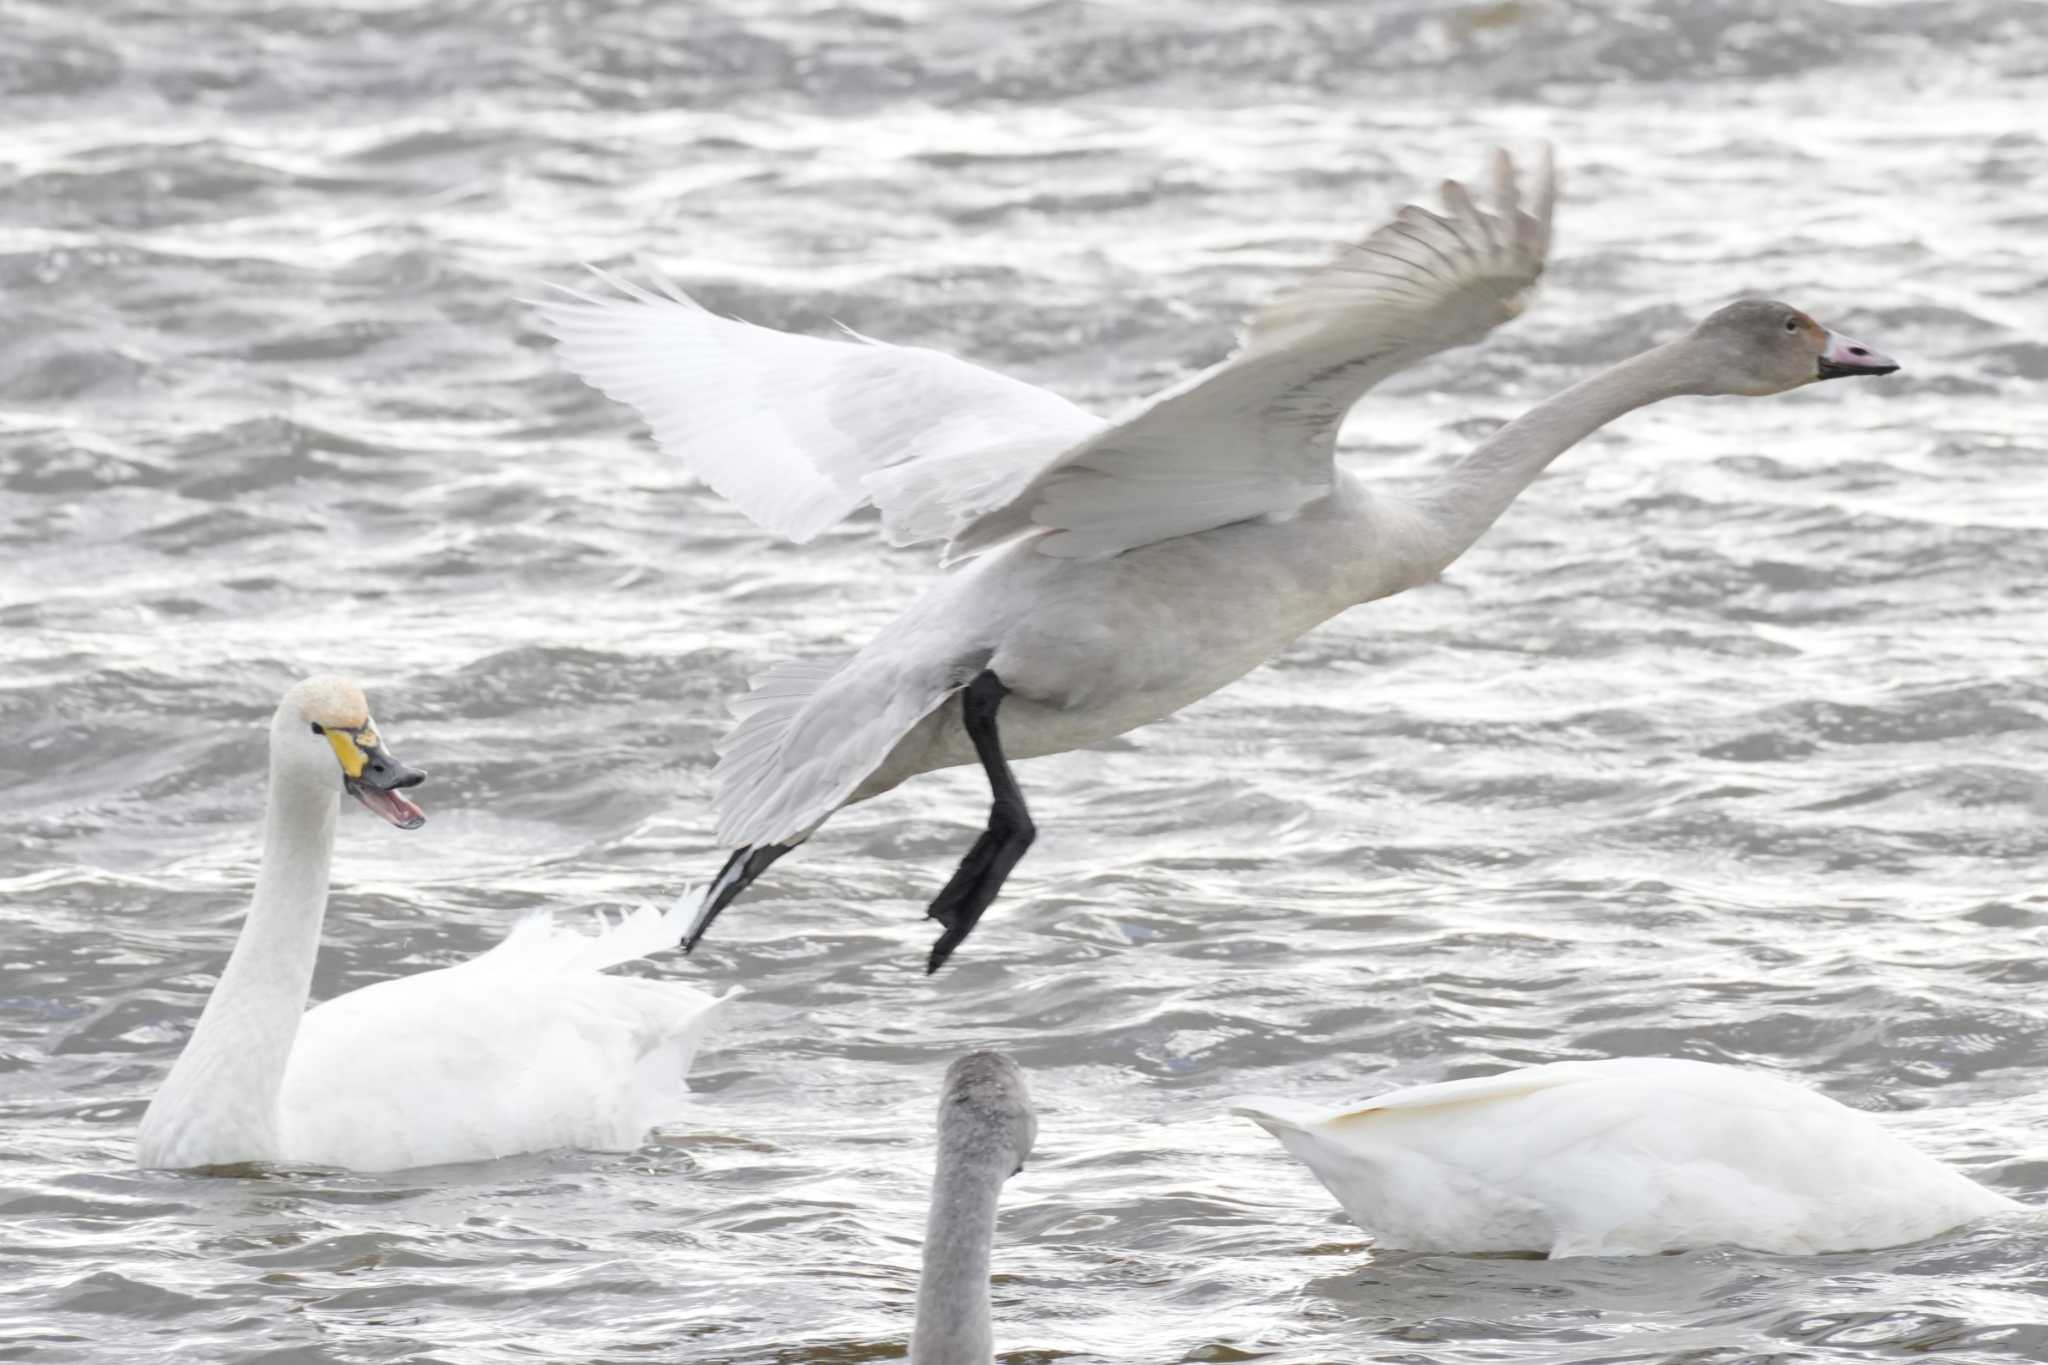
column 1625, row 1158
column 523, row 1048
column 1119, row 571
column 986, row 1128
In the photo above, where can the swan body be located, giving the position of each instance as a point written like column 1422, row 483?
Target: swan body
column 1092, row 649
column 1625, row 1157
column 986, row 1129
column 526, row 1047
column 1106, row 574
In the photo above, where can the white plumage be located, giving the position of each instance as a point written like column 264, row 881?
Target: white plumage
column 799, row 431
column 526, row 1047
column 1622, row 1158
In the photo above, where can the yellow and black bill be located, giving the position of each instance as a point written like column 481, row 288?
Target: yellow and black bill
column 372, row 776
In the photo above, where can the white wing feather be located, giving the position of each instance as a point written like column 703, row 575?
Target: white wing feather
column 799, row 431
column 1255, row 435
column 526, row 1047
column 543, row 943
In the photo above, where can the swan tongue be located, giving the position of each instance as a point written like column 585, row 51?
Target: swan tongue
column 391, row 805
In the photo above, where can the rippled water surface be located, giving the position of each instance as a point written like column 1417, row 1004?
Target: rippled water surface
column 1727, row 743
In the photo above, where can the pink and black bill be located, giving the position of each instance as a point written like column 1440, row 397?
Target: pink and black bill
column 1844, row 359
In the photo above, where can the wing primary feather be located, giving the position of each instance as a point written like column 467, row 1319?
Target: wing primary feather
column 1407, row 229
column 799, row 431
column 794, row 430
column 1505, row 192
column 1255, row 435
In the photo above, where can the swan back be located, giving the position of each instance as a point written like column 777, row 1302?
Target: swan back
column 1625, row 1157
column 527, row 1047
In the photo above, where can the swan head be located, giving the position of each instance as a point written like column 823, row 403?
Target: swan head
column 324, row 723
column 985, row 1111
column 1760, row 346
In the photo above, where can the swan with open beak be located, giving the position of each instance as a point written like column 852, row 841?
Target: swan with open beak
column 371, row 775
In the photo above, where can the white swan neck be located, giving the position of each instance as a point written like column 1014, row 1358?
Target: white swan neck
column 220, row 1103
column 1472, row 496
column 953, row 1326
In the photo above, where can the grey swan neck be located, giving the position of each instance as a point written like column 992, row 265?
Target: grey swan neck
column 220, row 1102
column 953, row 1326
column 1474, row 493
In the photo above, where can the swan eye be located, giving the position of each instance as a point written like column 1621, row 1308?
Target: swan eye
column 1791, row 324
column 316, row 728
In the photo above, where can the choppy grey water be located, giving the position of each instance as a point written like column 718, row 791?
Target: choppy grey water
column 1727, row 743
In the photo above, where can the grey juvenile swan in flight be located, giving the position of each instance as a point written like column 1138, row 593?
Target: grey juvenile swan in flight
column 1107, row 574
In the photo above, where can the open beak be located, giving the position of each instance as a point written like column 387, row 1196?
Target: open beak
column 373, row 777
column 1843, row 358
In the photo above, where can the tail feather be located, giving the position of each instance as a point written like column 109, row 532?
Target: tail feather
column 670, row 1049
column 809, row 733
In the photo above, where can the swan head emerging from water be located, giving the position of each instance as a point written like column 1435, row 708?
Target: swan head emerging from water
column 986, row 1128
column 1760, row 346
column 985, row 1113
column 324, row 723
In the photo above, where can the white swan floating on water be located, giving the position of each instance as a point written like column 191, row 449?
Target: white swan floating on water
column 1110, row 573
column 986, row 1128
column 1626, row 1157
column 523, row 1048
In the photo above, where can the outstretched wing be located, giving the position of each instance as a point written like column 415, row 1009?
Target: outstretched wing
column 799, row 431
column 1255, row 435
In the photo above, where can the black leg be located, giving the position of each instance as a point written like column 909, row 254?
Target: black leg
column 737, row 875
column 1009, row 833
